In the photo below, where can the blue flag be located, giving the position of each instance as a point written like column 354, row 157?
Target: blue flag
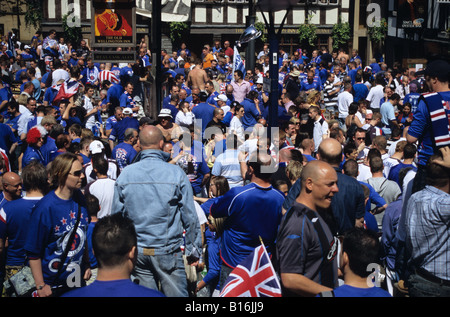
column 238, row 63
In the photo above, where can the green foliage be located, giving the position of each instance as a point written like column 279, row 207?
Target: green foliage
column 307, row 33
column 378, row 32
column 260, row 26
column 33, row 14
column 178, row 30
column 71, row 34
column 340, row 34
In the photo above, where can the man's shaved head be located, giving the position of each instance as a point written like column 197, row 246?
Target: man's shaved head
column 314, row 170
column 319, row 184
column 330, row 151
column 11, row 178
column 151, row 137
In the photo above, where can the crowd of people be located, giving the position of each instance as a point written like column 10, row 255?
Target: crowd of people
column 98, row 196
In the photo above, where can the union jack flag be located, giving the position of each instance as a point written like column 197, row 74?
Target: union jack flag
column 66, row 90
column 253, row 277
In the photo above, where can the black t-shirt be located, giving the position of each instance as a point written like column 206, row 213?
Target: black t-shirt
column 299, row 249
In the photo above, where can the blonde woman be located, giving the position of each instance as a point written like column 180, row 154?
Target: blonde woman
column 51, row 226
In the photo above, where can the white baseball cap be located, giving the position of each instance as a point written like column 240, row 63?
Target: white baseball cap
column 221, row 97
column 127, row 111
column 96, row 147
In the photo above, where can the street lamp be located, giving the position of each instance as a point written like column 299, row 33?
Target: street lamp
column 250, row 33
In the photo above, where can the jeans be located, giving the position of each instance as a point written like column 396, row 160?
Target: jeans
column 165, row 273
column 342, row 124
column 224, row 272
column 420, row 287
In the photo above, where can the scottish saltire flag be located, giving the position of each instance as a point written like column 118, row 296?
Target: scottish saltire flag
column 254, row 277
column 66, row 90
column 238, row 63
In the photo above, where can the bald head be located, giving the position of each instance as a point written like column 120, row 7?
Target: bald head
column 11, row 178
column 330, row 151
column 315, row 170
column 285, row 155
column 319, row 185
column 151, row 137
column 12, row 185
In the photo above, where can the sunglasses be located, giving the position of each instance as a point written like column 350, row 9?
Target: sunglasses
column 77, row 173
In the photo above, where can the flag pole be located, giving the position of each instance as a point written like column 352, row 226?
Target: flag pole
column 262, row 243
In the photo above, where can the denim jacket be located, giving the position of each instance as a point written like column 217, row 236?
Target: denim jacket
column 158, row 197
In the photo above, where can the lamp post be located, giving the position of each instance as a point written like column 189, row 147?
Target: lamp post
column 156, row 57
column 250, row 34
column 271, row 7
column 250, row 51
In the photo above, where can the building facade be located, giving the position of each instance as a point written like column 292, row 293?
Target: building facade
column 226, row 20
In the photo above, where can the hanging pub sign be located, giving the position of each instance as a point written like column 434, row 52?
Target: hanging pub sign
column 412, row 14
column 114, row 23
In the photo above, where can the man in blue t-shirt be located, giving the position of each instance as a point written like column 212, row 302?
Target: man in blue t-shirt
column 413, row 97
column 311, row 82
column 203, row 111
column 113, row 96
column 356, row 266
column 118, row 130
column 252, row 112
column 114, row 241
column 124, row 153
column 15, row 214
column 253, row 211
column 421, row 128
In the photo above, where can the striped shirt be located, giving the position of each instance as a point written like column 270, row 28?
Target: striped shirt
column 227, row 165
column 329, row 100
column 107, row 75
column 427, row 234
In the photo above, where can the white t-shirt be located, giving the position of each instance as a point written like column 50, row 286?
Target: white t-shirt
column 344, row 100
column 90, row 120
column 237, row 128
column 318, row 132
column 364, row 173
column 59, row 74
column 375, row 95
column 103, row 189
column 184, row 119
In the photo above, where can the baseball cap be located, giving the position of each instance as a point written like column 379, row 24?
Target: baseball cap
column 165, row 113
column 221, row 97
column 295, row 73
column 438, row 68
column 96, row 147
column 127, row 111
column 203, row 95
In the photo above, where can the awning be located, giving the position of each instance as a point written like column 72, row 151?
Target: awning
column 278, row 5
column 171, row 10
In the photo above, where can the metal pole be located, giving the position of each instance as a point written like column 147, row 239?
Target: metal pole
column 156, row 57
column 273, row 72
column 250, row 50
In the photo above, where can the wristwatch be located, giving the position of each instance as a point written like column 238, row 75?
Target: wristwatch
column 40, row 287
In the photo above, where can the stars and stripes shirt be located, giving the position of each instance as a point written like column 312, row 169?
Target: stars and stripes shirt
column 107, row 75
